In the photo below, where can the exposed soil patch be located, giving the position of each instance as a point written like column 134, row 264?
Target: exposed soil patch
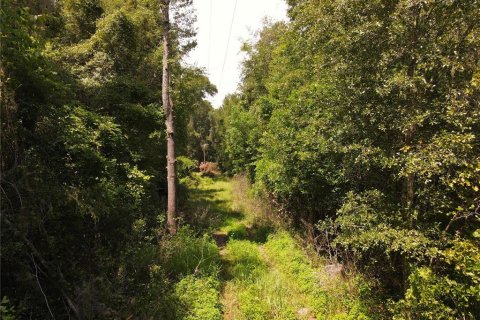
column 220, row 238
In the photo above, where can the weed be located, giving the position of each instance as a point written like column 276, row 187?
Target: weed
column 185, row 254
column 199, row 298
column 259, row 293
column 330, row 297
column 245, row 263
column 267, row 274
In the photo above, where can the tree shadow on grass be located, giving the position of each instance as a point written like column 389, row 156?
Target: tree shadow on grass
column 209, row 209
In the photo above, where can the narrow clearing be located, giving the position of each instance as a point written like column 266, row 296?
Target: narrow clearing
column 265, row 273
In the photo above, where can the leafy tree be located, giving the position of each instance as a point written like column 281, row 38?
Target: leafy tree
column 83, row 164
column 365, row 118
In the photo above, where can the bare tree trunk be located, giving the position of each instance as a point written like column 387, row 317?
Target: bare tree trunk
column 169, row 123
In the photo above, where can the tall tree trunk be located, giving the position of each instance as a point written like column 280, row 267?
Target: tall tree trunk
column 169, row 123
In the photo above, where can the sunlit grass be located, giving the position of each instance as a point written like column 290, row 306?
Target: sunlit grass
column 265, row 273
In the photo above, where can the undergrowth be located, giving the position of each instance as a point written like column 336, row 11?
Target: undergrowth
column 330, row 296
column 252, row 290
column 262, row 273
column 195, row 264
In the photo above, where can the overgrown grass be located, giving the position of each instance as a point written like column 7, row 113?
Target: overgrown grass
column 194, row 262
column 185, row 254
column 244, row 262
column 279, row 280
column 252, row 290
column 210, row 206
column 265, row 273
column 297, row 270
column 330, row 296
column 199, row 298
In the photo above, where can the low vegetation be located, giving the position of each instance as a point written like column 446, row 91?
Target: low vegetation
column 340, row 181
column 266, row 273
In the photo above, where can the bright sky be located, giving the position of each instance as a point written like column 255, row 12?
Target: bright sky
column 214, row 18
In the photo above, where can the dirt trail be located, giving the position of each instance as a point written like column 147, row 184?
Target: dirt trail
column 248, row 272
column 265, row 273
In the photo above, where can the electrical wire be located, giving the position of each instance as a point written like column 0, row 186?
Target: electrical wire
column 228, row 42
column 209, row 34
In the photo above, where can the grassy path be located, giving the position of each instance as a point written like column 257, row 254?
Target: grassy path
column 265, row 273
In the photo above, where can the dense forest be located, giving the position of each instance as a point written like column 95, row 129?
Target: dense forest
column 361, row 121
column 354, row 137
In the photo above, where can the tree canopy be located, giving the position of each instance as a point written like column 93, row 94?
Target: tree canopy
column 83, row 153
column 357, row 121
column 362, row 119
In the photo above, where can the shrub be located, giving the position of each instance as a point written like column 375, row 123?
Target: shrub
column 6, row 310
column 456, row 295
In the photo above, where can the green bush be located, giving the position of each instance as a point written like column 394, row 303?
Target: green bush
column 435, row 295
column 341, row 113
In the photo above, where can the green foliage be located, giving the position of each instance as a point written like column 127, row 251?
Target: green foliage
column 193, row 113
column 367, row 224
column 362, row 118
column 423, row 297
column 186, row 166
column 83, row 165
column 452, row 295
column 80, row 17
column 241, row 136
column 185, row 254
column 199, row 298
column 359, row 117
column 6, row 310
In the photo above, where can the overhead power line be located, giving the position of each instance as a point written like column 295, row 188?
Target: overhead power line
column 228, row 42
column 209, row 35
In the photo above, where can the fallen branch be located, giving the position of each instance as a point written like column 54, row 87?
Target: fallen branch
column 41, row 289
